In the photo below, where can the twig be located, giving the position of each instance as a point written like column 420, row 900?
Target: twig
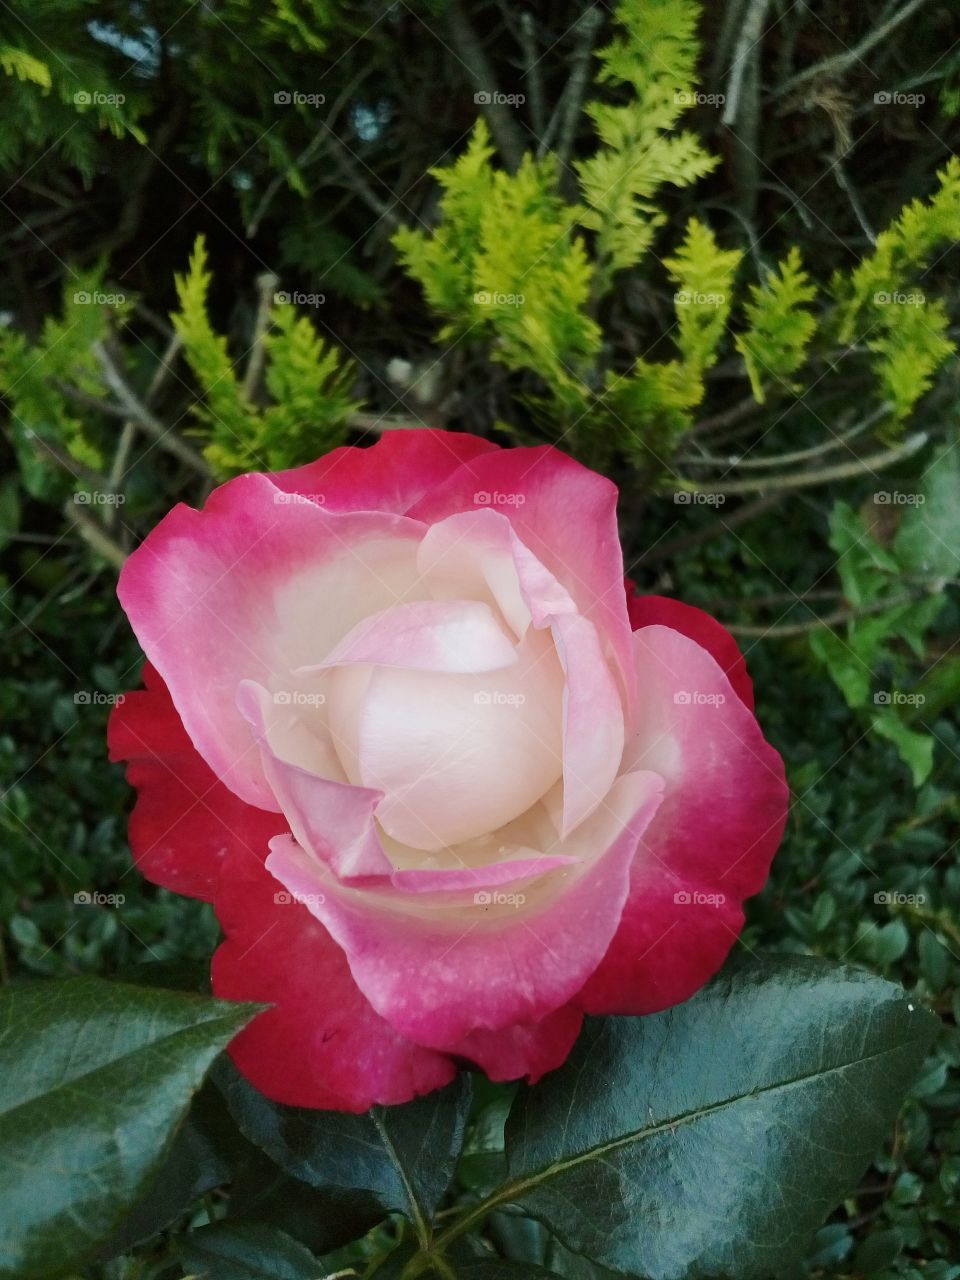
column 136, row 409
column 531, row 71
column 587, row 27
column 808, row 479
column 840, row 61
column 787, row 459
column 266, row 285
column 94, row 534
column 836, row 619
column 676, row 546
column 750, row 36
column 503, row 126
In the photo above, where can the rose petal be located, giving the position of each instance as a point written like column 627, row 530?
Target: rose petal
column 713, row 837
column 251, row 589
column 332, row 819
column 460, row 636
column 459, row 756
column 592, row 720
column 478, row 969
column 566, row 516
column 390, row 475
column 648, row 611
column 185, row 822
column 320, row 1045
column 525, row 1049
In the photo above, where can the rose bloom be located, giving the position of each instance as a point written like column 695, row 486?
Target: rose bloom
column 447, row 783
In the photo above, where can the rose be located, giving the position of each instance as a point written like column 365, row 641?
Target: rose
column 426, row 760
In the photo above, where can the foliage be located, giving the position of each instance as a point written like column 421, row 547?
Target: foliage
column 755, row 435
column 305, row 377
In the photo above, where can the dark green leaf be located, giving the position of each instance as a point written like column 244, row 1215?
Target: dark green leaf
column 404, row 1155
column 94, row 1079
column 246, row 1251
column 192, row 1168
column 715, row 1137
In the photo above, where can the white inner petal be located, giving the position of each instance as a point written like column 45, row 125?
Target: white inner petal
column 458, row 756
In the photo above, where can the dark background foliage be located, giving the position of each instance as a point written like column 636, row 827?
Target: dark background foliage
column 113, row 195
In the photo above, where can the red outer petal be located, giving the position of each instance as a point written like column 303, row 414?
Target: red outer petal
column 185, row 822
column 321, row 1045
column 649, row 611
column 390, row 475
column 714, row 835
column 525, row 1049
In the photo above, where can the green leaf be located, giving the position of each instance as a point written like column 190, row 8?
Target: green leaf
column 915, row 749
column 928, row 540
column 94, row 1078
column 715, row 1137
column 501, row 1270
column 404, row 1155
column 246, row 1251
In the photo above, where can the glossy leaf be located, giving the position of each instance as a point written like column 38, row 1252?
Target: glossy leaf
column 715, row 1137
column 246, row 1251
column 404, row 1155
column 94, row 1079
